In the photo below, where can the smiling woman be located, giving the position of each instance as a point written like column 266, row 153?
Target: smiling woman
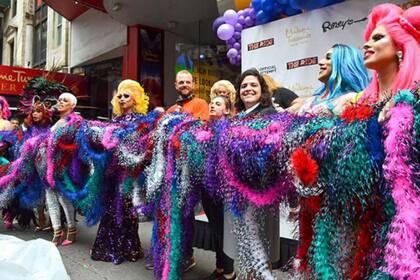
column 254, row 96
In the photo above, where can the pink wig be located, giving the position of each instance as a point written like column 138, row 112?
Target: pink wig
column 404, row 29
column 5, row 112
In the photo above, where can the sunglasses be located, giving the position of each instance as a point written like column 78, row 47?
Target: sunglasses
column 125, row 95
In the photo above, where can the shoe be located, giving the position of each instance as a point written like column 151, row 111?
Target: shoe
column 149, row 266
column 224, row 278
column 189, row 264
column 214, row 275
column 58, row 237
column 71, row 236
column 149, row 262
column 8, row 221
column 9, row 225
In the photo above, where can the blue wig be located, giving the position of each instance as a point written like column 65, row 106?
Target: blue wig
column 348, row 73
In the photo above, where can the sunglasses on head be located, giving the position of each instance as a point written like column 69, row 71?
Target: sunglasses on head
column 125, row 95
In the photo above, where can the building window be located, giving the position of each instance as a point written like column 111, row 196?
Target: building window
column 14, row 8
column 11, row 52
column 59, row 29
column 40, row 34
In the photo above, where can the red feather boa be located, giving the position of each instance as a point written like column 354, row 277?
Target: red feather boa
column 305, row 167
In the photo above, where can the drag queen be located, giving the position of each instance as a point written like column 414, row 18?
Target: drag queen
column 65, row 106
column 117, row 238
column 37, row 104
column 392, row 51
column 5, row 125
column 378, row 235
column 343, row 76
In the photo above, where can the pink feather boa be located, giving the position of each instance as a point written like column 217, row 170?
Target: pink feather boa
column 402, row 253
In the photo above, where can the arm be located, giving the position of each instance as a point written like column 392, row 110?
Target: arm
column 288, row 100
column 295, row 105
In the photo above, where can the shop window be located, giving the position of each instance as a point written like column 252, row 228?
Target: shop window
column 14, row 8
column 205, row 57
column 11, row 52
column 59, row 30
column 40, row 34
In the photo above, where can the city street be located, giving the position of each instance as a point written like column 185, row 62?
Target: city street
column 80, row 267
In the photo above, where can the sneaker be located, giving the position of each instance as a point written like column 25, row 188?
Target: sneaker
column 189, row 264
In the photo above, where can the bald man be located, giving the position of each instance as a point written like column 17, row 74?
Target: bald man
column 186, row 101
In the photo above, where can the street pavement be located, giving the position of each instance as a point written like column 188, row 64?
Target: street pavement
column 80, row 267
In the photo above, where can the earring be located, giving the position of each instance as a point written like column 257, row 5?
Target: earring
column 400, row 56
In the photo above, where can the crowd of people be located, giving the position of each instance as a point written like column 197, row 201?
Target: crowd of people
column 345, row 161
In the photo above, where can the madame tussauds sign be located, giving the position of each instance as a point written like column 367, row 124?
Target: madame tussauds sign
column 14, row 79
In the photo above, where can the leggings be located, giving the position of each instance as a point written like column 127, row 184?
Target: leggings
column 54, row 200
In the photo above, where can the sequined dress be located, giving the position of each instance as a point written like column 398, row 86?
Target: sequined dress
column 117, row 239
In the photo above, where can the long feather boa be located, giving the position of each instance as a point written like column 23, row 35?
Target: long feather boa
column 401, row 172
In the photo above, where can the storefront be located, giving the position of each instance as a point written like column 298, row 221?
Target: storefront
column 152, row 41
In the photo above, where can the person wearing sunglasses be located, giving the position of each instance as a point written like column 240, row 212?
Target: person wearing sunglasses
column 117, row 239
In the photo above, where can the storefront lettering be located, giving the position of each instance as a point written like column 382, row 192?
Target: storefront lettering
column 7, row 86
column 20, row 77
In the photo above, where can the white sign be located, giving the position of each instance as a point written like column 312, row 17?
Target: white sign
column 290, row 49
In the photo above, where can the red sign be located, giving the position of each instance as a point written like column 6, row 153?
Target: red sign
column 14, row 79
column 261, row 44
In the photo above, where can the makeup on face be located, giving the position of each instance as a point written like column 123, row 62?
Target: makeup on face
column 380, row 50
column 325, row 67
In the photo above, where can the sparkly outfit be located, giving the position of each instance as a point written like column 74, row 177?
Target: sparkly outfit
column 117, row 238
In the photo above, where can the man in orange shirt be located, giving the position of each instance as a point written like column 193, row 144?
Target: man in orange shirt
column 186, row 101
column 199, row 109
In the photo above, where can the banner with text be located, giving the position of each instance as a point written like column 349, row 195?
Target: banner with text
column 14, row 79
column 290, row 49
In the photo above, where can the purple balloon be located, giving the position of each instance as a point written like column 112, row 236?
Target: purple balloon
column 253, row 13
column 238, row 27
column 237, row 46
column 237, row 35
column 231, row 41
column 232, row 53
column 230, row 16
column 240, row 13
column 241, row 20
column 225, row 31
column 246, row 12
column 249, row 22
column 232, row 60
column 217, row 22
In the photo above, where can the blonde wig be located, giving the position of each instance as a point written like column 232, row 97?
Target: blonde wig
column 141, row 100
column 227, row 85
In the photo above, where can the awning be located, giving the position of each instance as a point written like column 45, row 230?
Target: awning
column 71, row 9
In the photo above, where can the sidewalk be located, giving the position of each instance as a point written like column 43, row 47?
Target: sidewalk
column 80, row 267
